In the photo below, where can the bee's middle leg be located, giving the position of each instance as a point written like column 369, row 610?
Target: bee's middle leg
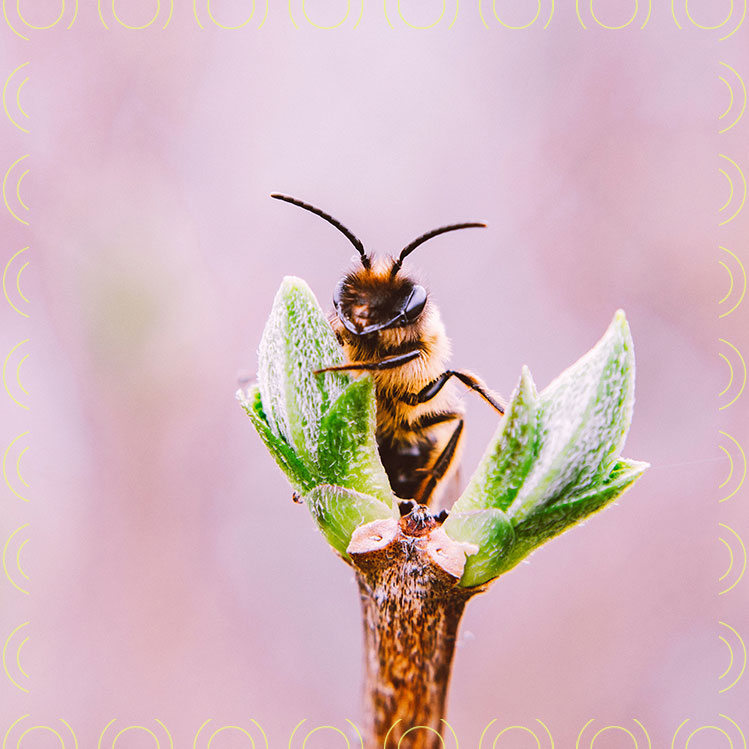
column 431, row 389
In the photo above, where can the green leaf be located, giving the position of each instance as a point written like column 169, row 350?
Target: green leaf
column 297, row 340
column 584, row 416
column 550, row 521
column 491, row 531
column 295, row 470
column 339, row 512
column 347, row 453
column 553, row 461
column 507, row 460
column 320, row 429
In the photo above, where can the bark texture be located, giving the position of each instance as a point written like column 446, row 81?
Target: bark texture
column 408, row 572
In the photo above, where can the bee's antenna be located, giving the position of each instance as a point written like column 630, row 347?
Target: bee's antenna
column 409, row 248
column 338, row 225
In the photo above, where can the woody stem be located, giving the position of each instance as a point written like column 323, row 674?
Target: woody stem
column 411, row 607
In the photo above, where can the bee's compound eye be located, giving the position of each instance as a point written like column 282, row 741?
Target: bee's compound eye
column 338, row 293
column 415, row 303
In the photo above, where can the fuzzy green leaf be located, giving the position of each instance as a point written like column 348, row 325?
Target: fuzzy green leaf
column 296, row 341
column 488, row 529
column 551, row 520
column 339, row 512
column 320, row 428
column 297, row 473
column 584, row 418
column 347, row 451
column 554, row 458
column 507, row 460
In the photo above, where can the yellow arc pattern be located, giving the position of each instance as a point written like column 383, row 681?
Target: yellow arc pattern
column 706, row 27
column 133, row 27
column 717, row 26
column 621, row 26
column 731, row 468
column 731, row 102
column 18, row 374
column 413, row 25
column 227, row 728
column 5, row 190
column 731, row 372
column 144, row 729
column 507, row 25
column 720, row 730
column 429, row 729
column 335, row 729
column 33, row 26
column 47, row 728
column 730, row 664
column 731, row 183
column 518, row 728
column 523, row 26
column 614, row 728
column 325, row 28
column 18, row 99
column 225, row 26
column 236, row 27
column 5, row 468
column 18, row 649
column 524, row 728
column 729, row 199
column 18, row 559
column 730, row 97
column 731, row 283
column 732, row 559
column 18, row 283
column 18, row 191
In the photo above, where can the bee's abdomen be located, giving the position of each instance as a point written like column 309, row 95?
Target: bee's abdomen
column 409, row 448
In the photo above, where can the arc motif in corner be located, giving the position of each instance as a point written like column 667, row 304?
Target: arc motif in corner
column 135, row 27
column 22, row 21
column 226, row 26
column 614, row 27
column 686, row 13
column 518, row 27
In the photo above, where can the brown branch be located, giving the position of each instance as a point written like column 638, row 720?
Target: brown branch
column 408, row 572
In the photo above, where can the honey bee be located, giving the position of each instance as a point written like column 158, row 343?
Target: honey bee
column 388, row 325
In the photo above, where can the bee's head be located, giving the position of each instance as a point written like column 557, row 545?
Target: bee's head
column 374, row 299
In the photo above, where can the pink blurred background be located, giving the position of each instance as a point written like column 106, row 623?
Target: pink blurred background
column 171, row 577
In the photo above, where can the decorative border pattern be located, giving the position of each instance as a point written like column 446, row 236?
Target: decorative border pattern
column 541, row 14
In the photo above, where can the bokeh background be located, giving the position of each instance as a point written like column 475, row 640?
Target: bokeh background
column 171, row 577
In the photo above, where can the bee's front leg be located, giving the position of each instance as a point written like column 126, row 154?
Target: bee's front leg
column 389, row 362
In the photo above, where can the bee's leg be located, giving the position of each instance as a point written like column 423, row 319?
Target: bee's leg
column 389, row 362
column 473, row 382
column 441, row 465
column 405, row 506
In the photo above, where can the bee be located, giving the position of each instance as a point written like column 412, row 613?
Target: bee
column 388, row 325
